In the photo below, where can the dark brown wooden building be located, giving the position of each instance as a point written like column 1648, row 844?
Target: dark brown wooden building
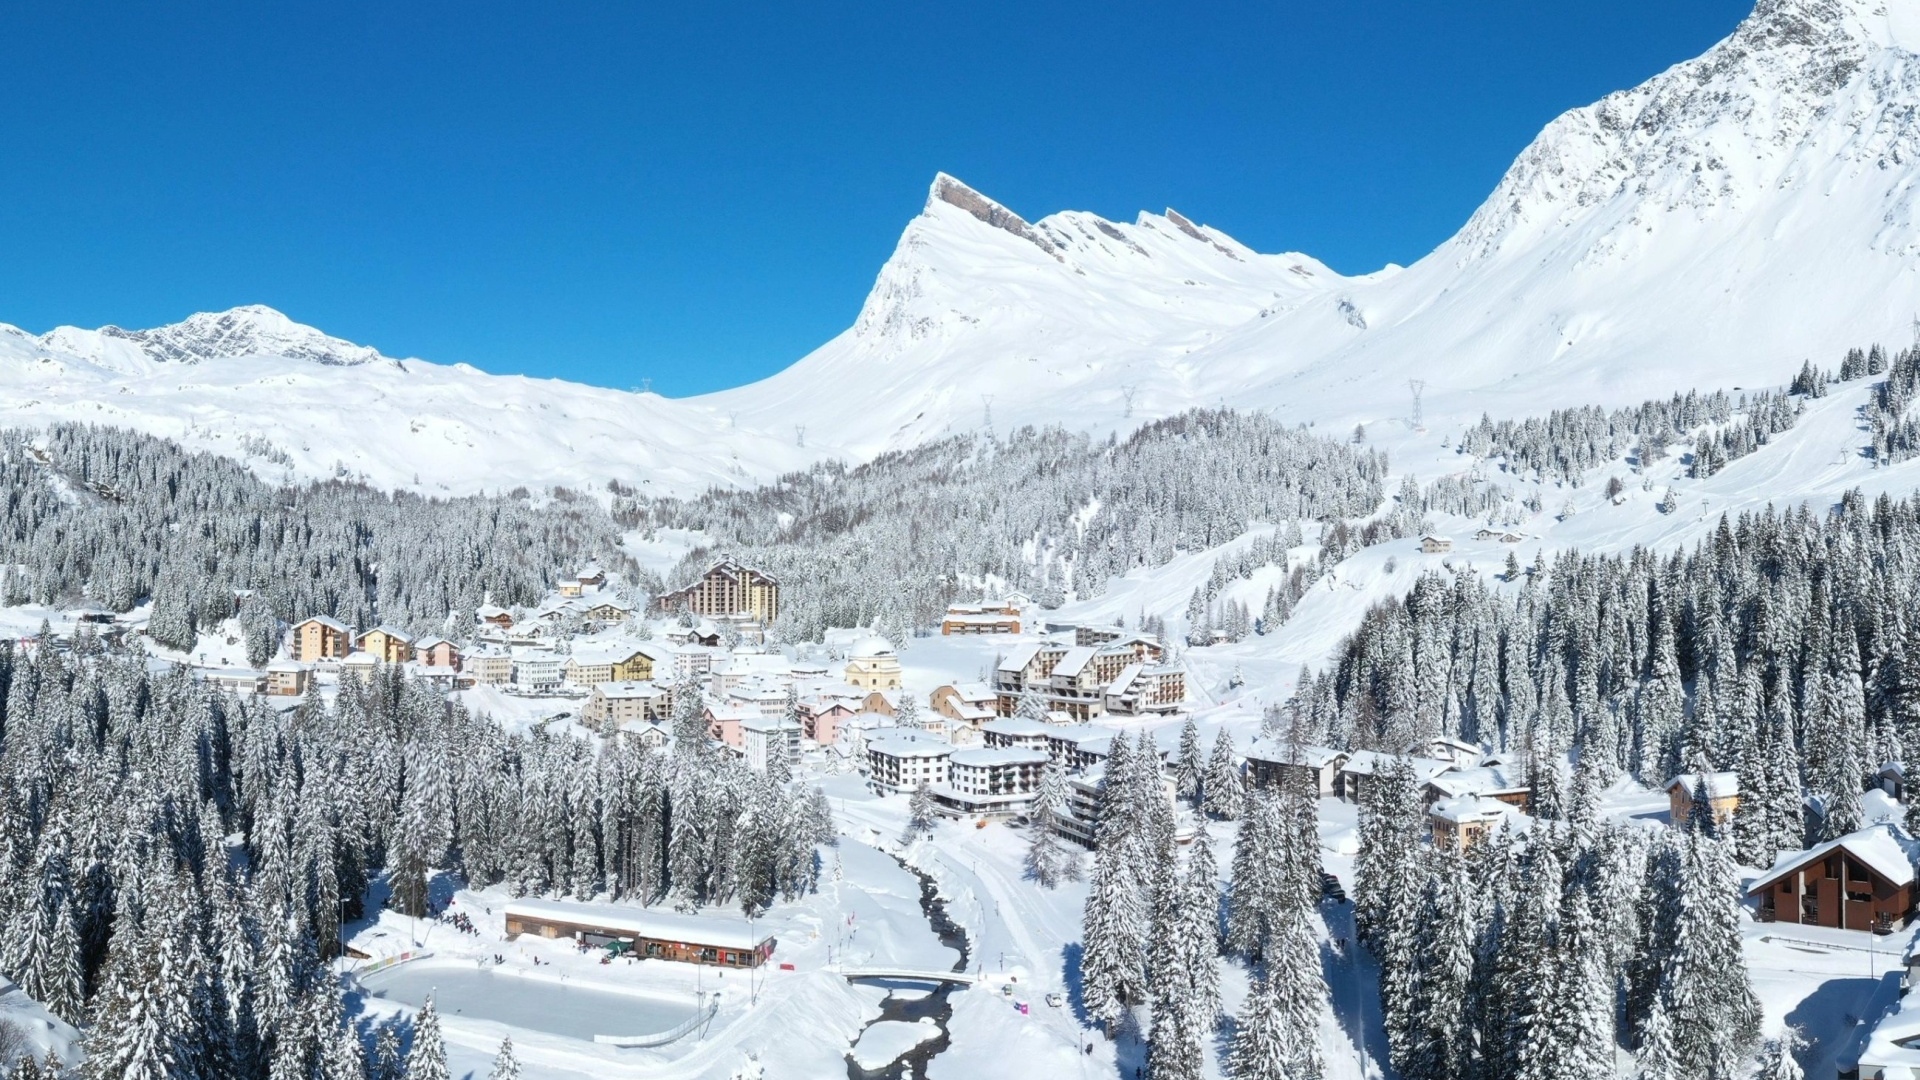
column 1861, row 881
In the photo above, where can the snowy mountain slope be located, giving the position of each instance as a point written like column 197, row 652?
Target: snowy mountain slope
column 1711, row 227
column 1070, row 317
column 295, row 403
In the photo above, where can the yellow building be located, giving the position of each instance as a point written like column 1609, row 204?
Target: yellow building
column 387, row 645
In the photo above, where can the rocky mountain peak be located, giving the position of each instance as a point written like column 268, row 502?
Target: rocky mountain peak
column 952, row 192
column 251, row 330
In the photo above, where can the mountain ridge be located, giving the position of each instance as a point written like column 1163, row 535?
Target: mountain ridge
column 1710, row 227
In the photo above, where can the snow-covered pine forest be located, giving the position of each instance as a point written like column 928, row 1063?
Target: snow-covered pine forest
column 892, row 542
column 111, row 518
column 177, row 862
column 1651, row 665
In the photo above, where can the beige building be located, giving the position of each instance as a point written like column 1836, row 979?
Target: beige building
column 490, row 664
column 873, row 665
column 1459, row 824
column 287, row 678
column 621, row 702
column 320, row 638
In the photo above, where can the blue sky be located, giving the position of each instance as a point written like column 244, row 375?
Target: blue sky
column 698, row 194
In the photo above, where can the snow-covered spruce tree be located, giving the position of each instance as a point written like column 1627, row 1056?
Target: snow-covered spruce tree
column 1704, row 988
column 1261, row 1047
column 1032, row 705
column 427, row 1057
column 1777, row 1061
column 1188, row 767
column 423, row 830
column 1439, row 1046
column 1224, row 795
column 1049, row 861
column 1256, row 892
column 1279, row 1027
column 1386, row 878
column 1116, row 920
column 1185, row 972
column 920, row 815
column 505, row 1065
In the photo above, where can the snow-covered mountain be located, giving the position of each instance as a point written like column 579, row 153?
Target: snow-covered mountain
column 1711, row 227
column 296, row 403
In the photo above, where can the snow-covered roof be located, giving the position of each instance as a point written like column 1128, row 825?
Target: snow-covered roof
column 390, row 631
column 870, row 647
column 431, row 641
column 973, row 692
column 1368, row 762
column 1020, row 657
column 286, row 666
column 1485, row 780
column 331, row 624
column 904, row 744
column 1883, row 849
column 1286, row 752
column 1470, row 808
column 630, row 690
column 1890, row 1045
column 1719, row 784
column 1007, row 755
column 769, row 724
column 1081, row 734
column 1019, row 726
column 719, row 931
column 606, row 652
column 1074, row 662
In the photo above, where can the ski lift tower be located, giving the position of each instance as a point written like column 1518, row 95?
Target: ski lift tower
column 1419, row 421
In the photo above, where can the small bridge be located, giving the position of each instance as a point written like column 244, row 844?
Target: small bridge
column 906, row 975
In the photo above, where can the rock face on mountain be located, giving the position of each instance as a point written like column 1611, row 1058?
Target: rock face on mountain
column 223, row 335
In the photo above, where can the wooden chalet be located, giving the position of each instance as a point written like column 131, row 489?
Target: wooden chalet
column 1722, row 790
column 1861, row 881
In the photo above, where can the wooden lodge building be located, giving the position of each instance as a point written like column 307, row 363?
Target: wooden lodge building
column 1861, row 881
column 656, row 935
